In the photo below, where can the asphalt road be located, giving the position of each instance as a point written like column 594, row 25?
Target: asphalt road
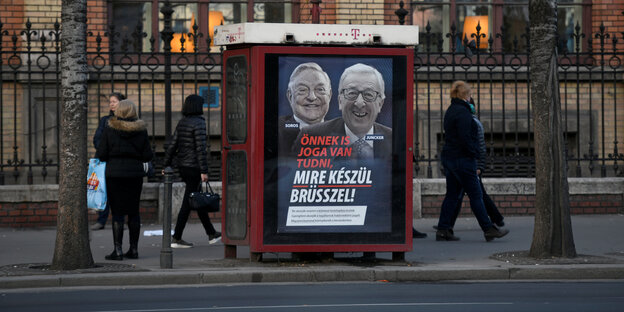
column 595, row 296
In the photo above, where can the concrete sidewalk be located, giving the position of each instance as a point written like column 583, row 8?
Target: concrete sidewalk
column 599, row 240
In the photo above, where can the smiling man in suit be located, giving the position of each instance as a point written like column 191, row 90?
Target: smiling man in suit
column 309, row 92
column 361, row 97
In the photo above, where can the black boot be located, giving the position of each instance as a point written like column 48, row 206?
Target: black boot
column 494, row 232
column 117, row 254
column 134, row 227
column 446, row 235
column 416, row 234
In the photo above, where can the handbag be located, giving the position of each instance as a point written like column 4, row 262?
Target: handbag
column 208, row 201
column 96, row 184
column 148, row 168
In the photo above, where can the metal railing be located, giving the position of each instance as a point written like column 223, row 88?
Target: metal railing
column 591, row 81
column 30, row 92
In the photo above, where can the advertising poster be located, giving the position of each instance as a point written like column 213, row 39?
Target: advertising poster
column 334, row 144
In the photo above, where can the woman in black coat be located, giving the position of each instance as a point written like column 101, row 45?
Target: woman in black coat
column 124, row 146
column 113, row 101
column 188, row 148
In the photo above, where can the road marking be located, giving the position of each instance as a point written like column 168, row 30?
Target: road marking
column 317, row 306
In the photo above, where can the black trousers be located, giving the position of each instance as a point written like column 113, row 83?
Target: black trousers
column 192, row 179
column 124, row 196
column 490, row 206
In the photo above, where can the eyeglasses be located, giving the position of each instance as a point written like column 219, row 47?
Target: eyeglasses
column 305, row 91
column 367, row 95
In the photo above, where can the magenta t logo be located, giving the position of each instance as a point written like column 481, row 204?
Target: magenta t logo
column 355, row 33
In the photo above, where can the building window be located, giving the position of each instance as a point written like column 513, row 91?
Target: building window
column 126, row 15
column 272, row 12
column 431, row 15
column 512, row 15
column 182, row 22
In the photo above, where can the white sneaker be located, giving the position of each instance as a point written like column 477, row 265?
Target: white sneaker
column 214, row 238
column 180, row 243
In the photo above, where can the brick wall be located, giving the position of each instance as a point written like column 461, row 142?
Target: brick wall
column 35, row 206
column 610, row 14
column 522, row 205
column 28, row 214
column 390, row 18
column 22, row 215
column 328, row 12
column 373, row 12
column 97, row 20
column 42, row 14
column 12, row 15
column 367, row 12
column 516, row 196
column 44, row 214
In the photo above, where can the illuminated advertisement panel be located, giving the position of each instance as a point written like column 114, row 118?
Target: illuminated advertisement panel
column 335, row 147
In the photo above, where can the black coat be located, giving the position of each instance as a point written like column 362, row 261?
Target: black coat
column 287, row 135
column 100, row 128
column 460, row 132
column 188, row 145
column 124, row 147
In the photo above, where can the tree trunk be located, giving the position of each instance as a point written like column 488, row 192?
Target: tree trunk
column 72, row 250
column 552, row 235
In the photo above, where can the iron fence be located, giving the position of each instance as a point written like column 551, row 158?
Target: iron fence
column 591, row 80
column 30, row 92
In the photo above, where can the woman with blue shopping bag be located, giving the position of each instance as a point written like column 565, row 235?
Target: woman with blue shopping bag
column 113, row 101
column 125, row 147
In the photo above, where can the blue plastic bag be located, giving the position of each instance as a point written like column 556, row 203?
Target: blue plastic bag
column 96, row 184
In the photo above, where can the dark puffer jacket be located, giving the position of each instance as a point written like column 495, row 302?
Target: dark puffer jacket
column 100, row 129
column 460, row 132
column 188, row 145
column 124, row 147
column 482, row 147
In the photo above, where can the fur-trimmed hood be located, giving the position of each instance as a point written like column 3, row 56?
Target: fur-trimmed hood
column 126, row 125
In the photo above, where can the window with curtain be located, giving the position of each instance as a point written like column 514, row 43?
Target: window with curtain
column 512, row 15
column 127, row 14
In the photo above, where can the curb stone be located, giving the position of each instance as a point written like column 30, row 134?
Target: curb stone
column 316, row 274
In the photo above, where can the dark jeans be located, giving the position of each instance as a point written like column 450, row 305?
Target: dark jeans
column 490, row 206
column 192, row 179
column 103, row 215
column 461, row 175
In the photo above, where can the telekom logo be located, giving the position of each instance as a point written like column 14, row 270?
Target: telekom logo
column 355, row 33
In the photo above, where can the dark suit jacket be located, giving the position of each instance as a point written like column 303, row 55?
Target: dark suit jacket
column 286, row 135
column 336, row 127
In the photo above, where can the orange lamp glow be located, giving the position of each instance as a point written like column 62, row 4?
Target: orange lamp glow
column 215, row 18
column 470, row 27
column 176, row 45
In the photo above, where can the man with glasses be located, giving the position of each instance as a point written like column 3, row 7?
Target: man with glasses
column 360, row 99
column 309, row 93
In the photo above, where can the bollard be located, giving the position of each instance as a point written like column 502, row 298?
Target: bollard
column 166, row 256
